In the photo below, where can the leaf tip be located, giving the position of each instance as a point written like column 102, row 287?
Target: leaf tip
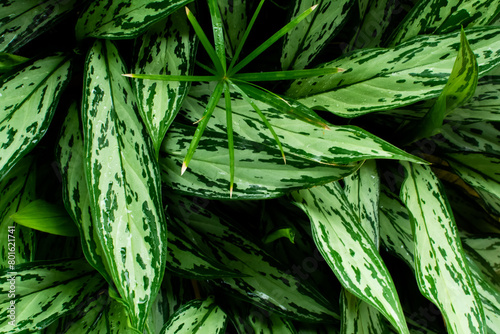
column 314, row 7
column 284, row 158
column 184, row 167
column 187, row 11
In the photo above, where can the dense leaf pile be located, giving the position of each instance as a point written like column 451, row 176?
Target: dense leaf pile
column 384, row 218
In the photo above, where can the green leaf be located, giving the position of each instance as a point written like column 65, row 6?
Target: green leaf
column 234, row 19
column 76, row 197
column 304, row 42
column 459, row 89
column 441, row 270
column 9, row 61
column 473, row 137
column 123, row 181
column 209, row 177
column 349, row 250
column 29, row 99
column 197, row 316
column 22, row 21
column 486, row 246
column 339, row 145
column 17, row 189
column 359, row 317
column 44, row 292
column 440, row 17
column 266, row 282
column 123, row 19
column 381, row 79
column 46, row 217
column 168, row 47
column 220, row 47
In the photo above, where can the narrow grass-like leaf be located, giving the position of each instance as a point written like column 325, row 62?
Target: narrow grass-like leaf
column 264, row 119
column 169, row 48
column 197, row 316
column 123, row 19
column 29, row 98
column 459, row 89
column 17, row 189
column 206, row 43
column 46, row 217
column 380, row 79
column 439, row 17
column 441, row 270
column 270, row 41
column 123, row 181
column 349, row 250
column 167, row 77
column 220, row 47
column 46, row 291
column 304, row 42
column 76, row 197
column 285, row 75
column 212, row 103
column 209, row 172
column 230, row 140
column 22, row 21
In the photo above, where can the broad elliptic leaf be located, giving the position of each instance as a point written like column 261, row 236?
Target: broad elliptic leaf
column 46, row 217
column 440, row 17
column 45, row 291
column 123, row 181
column 22, row 21
column 349, row 250
column 17, row 189
column 385, row 78
column 197, row 316
column 76, row 197
column 266, row 282
column 234, row 18
column 440, row 265
column 8, row 61
column 460, row 88
column 308, row 38
column 359, row 316
column 28, row 99
column 486, row 246
column 123, row 19
column 471, row 137
column 259, row 169
column 168, row 47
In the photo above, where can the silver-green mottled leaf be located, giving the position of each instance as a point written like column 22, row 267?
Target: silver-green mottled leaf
column 168, row 47
column 17, row 189
column 234, row 19
column 197, row 316
column 76, row 197
column 8, row 61
column 123, row 19
column 267, row 283
column 441, row 270
column 359, row 317
column 381, row 79
column 349, row 250
column 442, row 16
column 123, row 181
column 22, row 21
column 471, row 137
column 46, row 291
column 488, row 247
column 260, row 172
column 307, row 39
column 34, row 91
column 46, row 217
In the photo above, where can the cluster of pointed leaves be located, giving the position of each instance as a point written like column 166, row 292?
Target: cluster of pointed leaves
column 389, row 224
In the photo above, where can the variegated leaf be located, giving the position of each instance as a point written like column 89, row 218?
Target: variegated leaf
column 121, row 19
column 197, row 316
column 471, row 137
column 44, row 292
column 169, row 48
column 359, row 317
column 260, row 172
column 76, row 197
column 28, row 99
column 338, row 145
column 9, row 61
column 381, row 79
column 266, row 282
column 234, row 19
column 488, row 247
column 46, row 217
column 441, row 17
column 17, row 189
column 441, row 270
column 123, row 181
column 307, row 39
column 22, row 21
column 350, row 251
